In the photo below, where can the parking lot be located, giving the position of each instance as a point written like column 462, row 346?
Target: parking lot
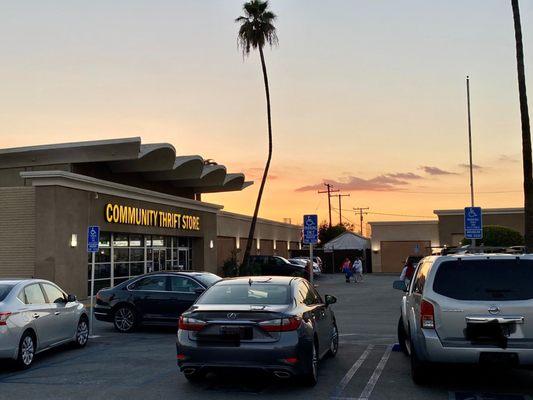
column 142, row 364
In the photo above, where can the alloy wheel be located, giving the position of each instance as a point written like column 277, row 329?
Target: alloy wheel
column 82, row 333
column 27, row 350
column 334, row 344
column 124, row 319
column 315, row 362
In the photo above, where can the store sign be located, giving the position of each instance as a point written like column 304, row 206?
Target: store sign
column 119, row 214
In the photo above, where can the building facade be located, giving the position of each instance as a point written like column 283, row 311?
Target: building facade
column 145, row 199
column 394, row 241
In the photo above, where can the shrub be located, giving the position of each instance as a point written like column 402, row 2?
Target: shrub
column 230, row 267
column 496, row 236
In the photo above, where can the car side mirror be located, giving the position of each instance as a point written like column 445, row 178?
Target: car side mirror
column 71, row 298
column 199, row 290
column 330, row 299
column 399, row 285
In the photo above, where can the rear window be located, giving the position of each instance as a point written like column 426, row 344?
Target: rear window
column 485, row 280
column 208, row 279
column 246, row 294
column 4, row 290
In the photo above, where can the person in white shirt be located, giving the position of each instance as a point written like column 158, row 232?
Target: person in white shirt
column 358, row 269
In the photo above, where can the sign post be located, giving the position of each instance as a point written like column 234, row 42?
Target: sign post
column 93, row 241
column 473, row 223
column 310, row 238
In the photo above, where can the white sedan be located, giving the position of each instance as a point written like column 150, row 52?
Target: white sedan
column 303, row 262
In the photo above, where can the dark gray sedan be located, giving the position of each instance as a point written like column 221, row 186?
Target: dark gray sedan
column 280, row 325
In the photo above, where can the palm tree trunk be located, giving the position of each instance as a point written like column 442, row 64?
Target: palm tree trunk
column 526, row 132
column 250, row 240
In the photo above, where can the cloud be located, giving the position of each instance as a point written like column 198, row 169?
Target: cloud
column 353, row 183
column 507, row 158
column 474, row 166
column 435, row 171
column 404, row 175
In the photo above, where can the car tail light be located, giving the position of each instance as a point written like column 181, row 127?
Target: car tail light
column 427, row 315
column 191, row 324
column 3, row 318
column 281, row 324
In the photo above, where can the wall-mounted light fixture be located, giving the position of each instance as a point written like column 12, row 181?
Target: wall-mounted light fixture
column 258, row 243
column 300, row 245
column 275, row 245
column 73, row 242
column 288, row 244
column 238, row 242
column 211, row 244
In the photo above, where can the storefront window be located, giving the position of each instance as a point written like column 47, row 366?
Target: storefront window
column 120, row 240
column 130, row 258
column 136, row 241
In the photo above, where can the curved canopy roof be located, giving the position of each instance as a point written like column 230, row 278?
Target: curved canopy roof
column 129, row 160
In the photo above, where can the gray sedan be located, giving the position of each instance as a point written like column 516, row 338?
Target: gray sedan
column 276, row 324
column 36, row 315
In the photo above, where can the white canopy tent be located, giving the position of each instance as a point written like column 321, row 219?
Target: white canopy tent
column 348, row 241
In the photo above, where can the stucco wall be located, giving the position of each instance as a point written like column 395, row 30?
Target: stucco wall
column 400, row 231
column 452, row 226
column 17, row 232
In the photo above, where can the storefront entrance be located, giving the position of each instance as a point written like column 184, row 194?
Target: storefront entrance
column 123, row 256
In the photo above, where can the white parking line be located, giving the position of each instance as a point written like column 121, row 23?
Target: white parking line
column 367, row 391
column 351, row 372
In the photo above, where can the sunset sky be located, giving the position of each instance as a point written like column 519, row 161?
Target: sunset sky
column 366, row 94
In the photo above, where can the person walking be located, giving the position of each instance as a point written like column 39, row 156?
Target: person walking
column 347, row 269
column 357, row 268
column 407, row 272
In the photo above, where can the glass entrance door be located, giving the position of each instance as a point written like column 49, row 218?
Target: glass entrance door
column 183, row 259
column 159, row 257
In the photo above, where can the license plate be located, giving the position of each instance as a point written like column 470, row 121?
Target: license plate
column 490, row 333
column 499, row 358
column 230, row 331
column 237, row 332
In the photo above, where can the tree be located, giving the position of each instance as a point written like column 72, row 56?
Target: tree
column 256, row 30
column 499, row 236
column 526, row 132
column 327, row 232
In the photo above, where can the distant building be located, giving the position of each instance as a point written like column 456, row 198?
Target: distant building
column 393, row 241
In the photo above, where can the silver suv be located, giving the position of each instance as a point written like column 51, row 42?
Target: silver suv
column 36, row 315
column 472, row 309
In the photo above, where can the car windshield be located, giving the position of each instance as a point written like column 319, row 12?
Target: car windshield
column 5, row 288
column 256, row 293
column 208, row 279
column 485, row 280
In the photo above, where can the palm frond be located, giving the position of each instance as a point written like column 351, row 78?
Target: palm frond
column 257, row 26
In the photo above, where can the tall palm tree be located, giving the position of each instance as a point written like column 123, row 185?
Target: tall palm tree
column 526, row 131
column 256, row 30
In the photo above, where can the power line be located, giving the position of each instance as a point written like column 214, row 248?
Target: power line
column 395, row 215
column 458, row 193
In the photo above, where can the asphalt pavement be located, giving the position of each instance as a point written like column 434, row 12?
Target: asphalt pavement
column 142, row 365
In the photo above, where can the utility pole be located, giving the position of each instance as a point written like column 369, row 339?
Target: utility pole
column 470, row 148
column 340, row 196
column 329, row 191
column 359, row 210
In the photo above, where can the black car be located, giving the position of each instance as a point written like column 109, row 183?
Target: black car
column 157, row 298
column 273, row 266
column 276, row 324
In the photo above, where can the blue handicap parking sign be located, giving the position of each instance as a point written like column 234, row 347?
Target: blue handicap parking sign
column 310, row 229
column 473, row 223
column 93, row 239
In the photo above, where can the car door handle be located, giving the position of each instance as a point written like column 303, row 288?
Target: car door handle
column 35, row 315
column 57, row 313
